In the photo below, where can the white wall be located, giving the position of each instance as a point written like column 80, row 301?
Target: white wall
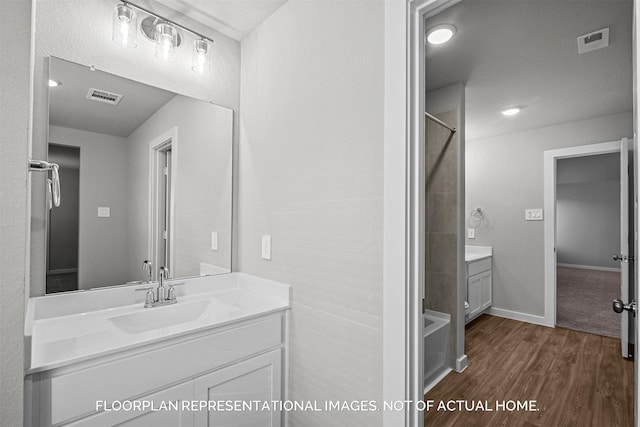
column 202, row 185
column 311, row 161
column 80, row 31
column 588, row 210
column 102, row 249
column 505, row 177
column 15, row 67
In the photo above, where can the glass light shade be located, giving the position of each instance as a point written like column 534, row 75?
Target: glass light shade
column 200, row 61
column 166, row 41
column 124, row 26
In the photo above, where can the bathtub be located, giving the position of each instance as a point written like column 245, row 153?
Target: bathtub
column 436, row 347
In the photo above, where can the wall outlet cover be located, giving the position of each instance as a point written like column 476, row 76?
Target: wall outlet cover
column 471, row 233
column 214, row 240
column 533, row 215
column 104, row 212
column 266, row 246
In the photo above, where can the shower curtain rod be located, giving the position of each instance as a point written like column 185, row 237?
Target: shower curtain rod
column 440, row 122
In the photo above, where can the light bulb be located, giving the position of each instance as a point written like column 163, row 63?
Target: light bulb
column 124, row 25
column 200, row 62
column 167, row 41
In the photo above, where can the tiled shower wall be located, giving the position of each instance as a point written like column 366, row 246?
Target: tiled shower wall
column 441, row 216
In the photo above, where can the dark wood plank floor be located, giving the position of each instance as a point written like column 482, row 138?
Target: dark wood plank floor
column 577, row 379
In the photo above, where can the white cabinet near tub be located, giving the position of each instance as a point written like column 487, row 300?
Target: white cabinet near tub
column 479, row 283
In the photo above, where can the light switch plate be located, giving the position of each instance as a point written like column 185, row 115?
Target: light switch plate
column 214, row 240
column 266, row 246
column 533, row 215
column 104, row 212
column 471, row 233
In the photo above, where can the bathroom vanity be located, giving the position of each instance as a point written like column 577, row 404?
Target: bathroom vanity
column 96, row 361
column 478, row 260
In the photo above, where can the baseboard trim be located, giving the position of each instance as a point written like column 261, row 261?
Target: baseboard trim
column 516, row 315
column 589, row 267
column 461, row 363
column 61, row 271
column 437, row 379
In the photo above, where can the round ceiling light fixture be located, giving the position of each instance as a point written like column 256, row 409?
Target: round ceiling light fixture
column 440, row 34
column 511, row 111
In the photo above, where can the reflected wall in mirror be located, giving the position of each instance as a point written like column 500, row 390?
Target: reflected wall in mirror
column 146, row 175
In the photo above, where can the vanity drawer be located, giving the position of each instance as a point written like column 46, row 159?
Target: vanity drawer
column 477, row 267
column 75, row 394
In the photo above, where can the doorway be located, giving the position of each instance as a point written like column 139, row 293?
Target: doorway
column 63, row 222
column 163, row 161
column 587, row 236
column 520, row 274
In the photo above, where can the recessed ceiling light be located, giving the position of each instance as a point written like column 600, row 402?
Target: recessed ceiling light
column 440, row 33
column 54, row 83
column 511, row 111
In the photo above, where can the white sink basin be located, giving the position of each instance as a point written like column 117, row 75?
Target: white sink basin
column 147, row 319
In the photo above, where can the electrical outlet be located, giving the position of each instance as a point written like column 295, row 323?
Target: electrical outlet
column 471, row 233
column 266, row 246
column 214, row 240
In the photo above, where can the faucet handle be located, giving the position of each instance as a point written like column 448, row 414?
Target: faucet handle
column 171, row 293
column 149, row 299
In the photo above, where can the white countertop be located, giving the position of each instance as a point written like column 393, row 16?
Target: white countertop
column 63, row 329
column 476, row 253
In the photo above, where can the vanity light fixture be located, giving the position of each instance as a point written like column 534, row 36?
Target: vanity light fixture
column 511, row 111
column 440, row 34
column 166, row 37
column 124, row 26
column 163, row 32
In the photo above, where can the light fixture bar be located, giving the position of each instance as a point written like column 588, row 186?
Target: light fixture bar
column 162, row 18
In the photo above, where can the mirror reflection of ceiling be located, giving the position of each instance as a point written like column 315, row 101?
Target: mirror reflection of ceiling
column 511, row 53
column 70, row 108
column 235, row 18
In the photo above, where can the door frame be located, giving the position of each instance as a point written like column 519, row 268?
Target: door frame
column 156, row 145
column 418, row 11
column 550, row 171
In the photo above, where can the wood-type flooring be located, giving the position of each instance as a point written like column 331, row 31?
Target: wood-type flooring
column 575, row 379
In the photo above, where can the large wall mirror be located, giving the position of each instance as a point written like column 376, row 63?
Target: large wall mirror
column 146, row 175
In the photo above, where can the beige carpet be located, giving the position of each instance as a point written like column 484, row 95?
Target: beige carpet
column 583, row 301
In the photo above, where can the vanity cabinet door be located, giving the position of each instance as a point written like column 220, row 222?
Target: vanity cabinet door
column 474, row 295
column 254, row 380
column 148, row 417
column 485, row 290
column 478, row 293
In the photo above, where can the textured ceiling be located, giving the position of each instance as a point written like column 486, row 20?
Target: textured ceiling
column 525, row 53
column 234, row 18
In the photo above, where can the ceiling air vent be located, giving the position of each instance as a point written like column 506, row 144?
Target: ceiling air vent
column 592, row 41
column 104, row 96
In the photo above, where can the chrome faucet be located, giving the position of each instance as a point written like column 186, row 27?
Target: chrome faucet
column 160, row 298
column 146, row 267
column 163, row 273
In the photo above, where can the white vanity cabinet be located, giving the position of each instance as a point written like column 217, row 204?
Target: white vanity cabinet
column 479, row 293
column 241, row 361
column 254, row 380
